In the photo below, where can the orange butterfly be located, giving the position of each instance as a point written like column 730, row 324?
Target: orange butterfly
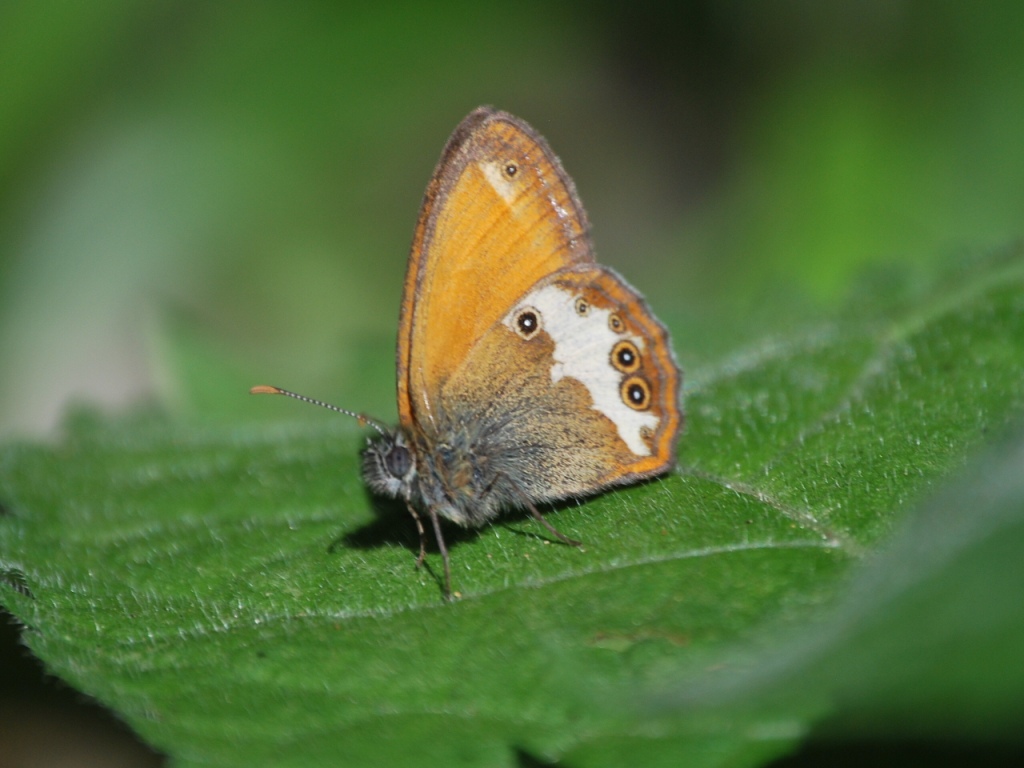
column 527, row 372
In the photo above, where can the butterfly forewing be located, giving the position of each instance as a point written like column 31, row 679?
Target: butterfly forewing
column 500, row 214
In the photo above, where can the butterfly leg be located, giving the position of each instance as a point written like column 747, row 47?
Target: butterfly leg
column 540, row 518
column 554, row 531
column 444, row 553
column 419, row 529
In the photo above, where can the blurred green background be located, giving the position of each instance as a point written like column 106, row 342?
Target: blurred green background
column 196, row 197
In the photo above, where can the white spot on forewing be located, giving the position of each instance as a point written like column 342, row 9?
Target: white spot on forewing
column 583, row 347
column 496, row 178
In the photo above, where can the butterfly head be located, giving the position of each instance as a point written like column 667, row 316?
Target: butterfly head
column 389, row 465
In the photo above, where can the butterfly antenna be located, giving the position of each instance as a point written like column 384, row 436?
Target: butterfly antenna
column 363, row 419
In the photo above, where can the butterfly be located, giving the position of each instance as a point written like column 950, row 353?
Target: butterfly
column 527, row 373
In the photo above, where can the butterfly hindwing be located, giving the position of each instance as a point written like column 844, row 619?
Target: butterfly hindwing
column 573, row 390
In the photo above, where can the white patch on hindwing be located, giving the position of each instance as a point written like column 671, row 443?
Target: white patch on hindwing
column 583, row 346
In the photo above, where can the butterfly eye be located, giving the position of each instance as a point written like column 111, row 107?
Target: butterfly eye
column 510, row 170
column 398, row 461
column 636, row 393
column 625, row 357
column 615, row 323
column 527, row 322
column 582, row 306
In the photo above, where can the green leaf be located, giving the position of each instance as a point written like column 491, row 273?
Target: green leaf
column 239, row 599
column 925, row 642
